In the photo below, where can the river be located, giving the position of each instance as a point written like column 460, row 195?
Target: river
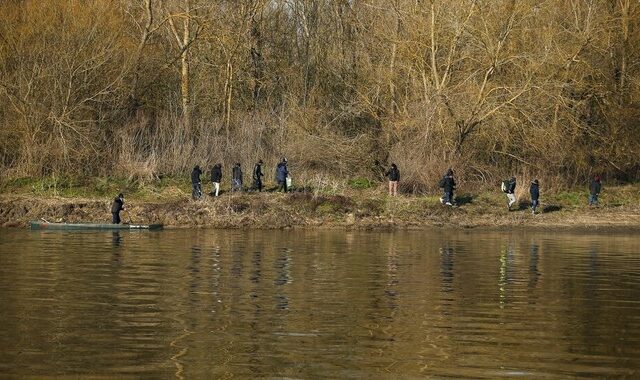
column 319, row 304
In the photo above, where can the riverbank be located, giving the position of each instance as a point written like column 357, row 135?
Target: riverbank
column 352, row 209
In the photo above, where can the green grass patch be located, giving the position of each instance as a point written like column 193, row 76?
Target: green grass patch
column 360, row 183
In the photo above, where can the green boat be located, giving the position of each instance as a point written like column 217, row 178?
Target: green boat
column 44, row 225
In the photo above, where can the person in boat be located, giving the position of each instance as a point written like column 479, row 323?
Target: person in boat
column 196, row 184
column 534, row 191
column 216, row 177
column 394, row 177
column 281, row 175
column 116, row 207
column 448, row 185
column 257, row 176
column 236, row 181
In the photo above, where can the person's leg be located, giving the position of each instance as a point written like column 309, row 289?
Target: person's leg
column 259, row 185
column 390, row 188
column 534, row 205
column 216, row 187
column 395, row 188
column 450, row 198
column 284, row 184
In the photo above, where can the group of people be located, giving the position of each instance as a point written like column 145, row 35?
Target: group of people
column 447, row 184
column 282, row 178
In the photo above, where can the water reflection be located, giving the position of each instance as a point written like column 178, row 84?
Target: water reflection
column 446, row 266
column 222, row 304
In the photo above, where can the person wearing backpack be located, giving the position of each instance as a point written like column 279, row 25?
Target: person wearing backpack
column 448, row 185
column 509, row 187
column 534, row 191
column 281, row 175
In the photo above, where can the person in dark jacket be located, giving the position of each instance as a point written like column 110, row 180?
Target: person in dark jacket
column 594, row 190
column 257, row 176
column 196, row 184
column 236, row 181
column 534, row 191
column 216, row 178
column 394, row 177
column 448, row 185
column 116, row 207
column 281, row 175
column 511, row 190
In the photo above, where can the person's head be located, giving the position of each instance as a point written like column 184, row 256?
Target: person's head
column 597, row 178
column 284, row 160
column 121, row 196
column 449, row 171
column 197, row 167
column 513, row 178
column 237, row 164
column 394, row 166
column 260, row 162
column 535, row 181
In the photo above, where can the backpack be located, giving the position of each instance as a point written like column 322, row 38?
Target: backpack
column 505, row 186
column 441, row 183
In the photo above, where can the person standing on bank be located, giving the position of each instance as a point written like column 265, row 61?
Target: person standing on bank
column 511, row 190
column 534, row 191
column 116, row 207
column 448, row 185
column 394, row 177
column 281, row 175
column 236, row 182
column 196, row 184
column 216, row 178
column 594, row 190
column 257, row 176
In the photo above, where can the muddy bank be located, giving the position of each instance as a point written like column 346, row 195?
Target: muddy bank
column 276, row 211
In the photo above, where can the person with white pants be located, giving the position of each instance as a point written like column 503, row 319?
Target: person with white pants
column 216, row 177
column 511, row 189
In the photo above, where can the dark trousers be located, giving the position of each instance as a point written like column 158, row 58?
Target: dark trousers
column 196, row 192
column 115, row 217
column 257, row 184
column 282, row 185
column 534, row 204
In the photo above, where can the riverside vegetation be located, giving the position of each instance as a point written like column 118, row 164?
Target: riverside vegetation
column 360, row 204
column 147, row 88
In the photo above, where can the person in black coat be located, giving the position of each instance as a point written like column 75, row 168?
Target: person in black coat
column 236, row 181
column 257, row 176
column 534, row 191
column 216, row 178
column 394, row 177
column 448, row 185
column 116, row 207
column 594, row 190
column 196, row 184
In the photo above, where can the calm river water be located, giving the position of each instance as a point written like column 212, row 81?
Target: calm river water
column 319, row 304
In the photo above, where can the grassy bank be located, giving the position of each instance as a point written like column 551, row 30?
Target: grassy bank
column 360, row 207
